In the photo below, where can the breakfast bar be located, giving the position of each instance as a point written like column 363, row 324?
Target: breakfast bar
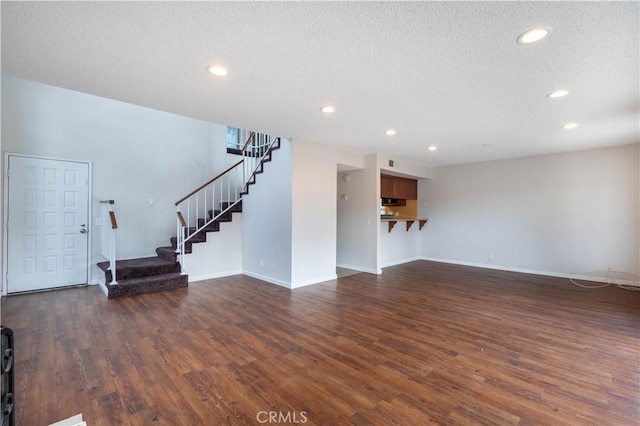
column 408, row 220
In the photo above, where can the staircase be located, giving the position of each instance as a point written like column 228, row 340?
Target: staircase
column 164, row 272
column 144, row 275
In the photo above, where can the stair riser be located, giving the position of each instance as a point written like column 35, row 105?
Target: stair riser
column 167, row 253
column 161, row 284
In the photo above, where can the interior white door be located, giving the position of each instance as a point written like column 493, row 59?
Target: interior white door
column 48, row 223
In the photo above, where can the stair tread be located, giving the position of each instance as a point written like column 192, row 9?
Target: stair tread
column 166, row 248
column 142, row 262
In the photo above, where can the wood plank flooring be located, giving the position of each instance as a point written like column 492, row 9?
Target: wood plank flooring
column 424, row 343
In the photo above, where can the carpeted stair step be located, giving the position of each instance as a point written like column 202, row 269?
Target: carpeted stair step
column 212, row 227
column 226, row 217
column 188, row 245
column 237, row 208
column 150, row 284
column 142, row 267
column 167, row 253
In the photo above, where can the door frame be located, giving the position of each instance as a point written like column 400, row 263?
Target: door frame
column 4, row 289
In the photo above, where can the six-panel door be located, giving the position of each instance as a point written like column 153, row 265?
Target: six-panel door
column 48, row 223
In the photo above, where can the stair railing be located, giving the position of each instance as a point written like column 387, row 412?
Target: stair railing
column 218, row 196
column 108, row 236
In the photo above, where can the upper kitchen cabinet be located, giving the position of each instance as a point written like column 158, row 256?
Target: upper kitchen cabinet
column 386, row 186
column 398, row 187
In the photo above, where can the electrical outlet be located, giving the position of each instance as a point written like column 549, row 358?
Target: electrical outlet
column 490, row 257
column 261, row 262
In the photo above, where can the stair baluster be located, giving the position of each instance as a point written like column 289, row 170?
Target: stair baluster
column 224, row 191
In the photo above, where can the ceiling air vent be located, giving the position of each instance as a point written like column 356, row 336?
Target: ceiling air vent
column 390, row 163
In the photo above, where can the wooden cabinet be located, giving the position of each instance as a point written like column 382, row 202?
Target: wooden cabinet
column 397, row 187
column 406, row 189
column 386, row 186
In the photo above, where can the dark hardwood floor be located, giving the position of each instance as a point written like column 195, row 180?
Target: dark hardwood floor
column 424, row 343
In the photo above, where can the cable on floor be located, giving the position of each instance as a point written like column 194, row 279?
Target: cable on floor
column 611, row 280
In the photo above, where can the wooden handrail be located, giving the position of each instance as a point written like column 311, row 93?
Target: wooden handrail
column 251, row 135
column 112, row 218
column 181, row 219
column 207, row 183
column 112, row 214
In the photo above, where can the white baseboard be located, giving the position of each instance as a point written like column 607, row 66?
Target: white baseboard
column 316, row 281
column 581, row 277
column 102, row 286
column 399, row 262
column 260, row 277
column 361, row 269
column 267, row 279
column 212, row 276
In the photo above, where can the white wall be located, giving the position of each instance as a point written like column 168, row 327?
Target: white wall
column 357, row 221
column 399, row 245
column 359, row 218
column 313, row 214
column 137, row 153
column 266, row 221
column 2, row 166
column 402, row 167
column 561, row 214
column 220, row 256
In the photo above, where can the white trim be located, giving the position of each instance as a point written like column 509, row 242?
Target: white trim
column 102, row 286
column 316, row 281
column 581, row 277
column 4, row 289
column 361, row 269
column 267, row 279
column 399, row 262
column 212, row 276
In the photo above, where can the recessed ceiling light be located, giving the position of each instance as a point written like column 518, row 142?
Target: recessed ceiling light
column 533, row 35
column 390, row 132
column 558, row 94
column 327, row 109
column 217, row 70
column 570, row 126
column 432, row 148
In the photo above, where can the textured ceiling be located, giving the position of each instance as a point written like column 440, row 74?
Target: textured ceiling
column 441, row 73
